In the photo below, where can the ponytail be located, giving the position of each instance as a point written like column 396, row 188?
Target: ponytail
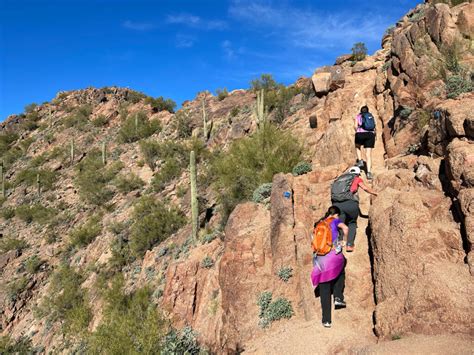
column 330, row 212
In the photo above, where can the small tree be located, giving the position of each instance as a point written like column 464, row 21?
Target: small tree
column 265, row 82
column 359, row 51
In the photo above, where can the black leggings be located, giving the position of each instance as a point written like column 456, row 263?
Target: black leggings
column 349, row 213
column 325, row 288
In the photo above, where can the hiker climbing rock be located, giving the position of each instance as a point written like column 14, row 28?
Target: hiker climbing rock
column 365, row 137
column 344, row 194
column 328, row 262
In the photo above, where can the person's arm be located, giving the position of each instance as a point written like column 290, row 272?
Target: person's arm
column 367, row 189
column 356, row 123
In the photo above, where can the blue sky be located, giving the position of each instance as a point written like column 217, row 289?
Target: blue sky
column 175, row 48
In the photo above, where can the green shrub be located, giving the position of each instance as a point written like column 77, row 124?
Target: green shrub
column 252, row 161
column 359, row 51
column 33, row 264
column 181, row 191
column 235, row 111
column 302, row 168
column 135, row 96
column 8, row 243
column 168, row 171
column 150, row 150
column 126, row 184
column 272, row 311
column 181, row 342
column 405, row 112
column 29, row 176
column 30, row 121
column 153, row 222
column 132, row 324
column 34, row 213
column 457, row 85
column 79, row 117
column 85, row 234
column 262, row 193
column 182, row 124
column 265, row 82
column 207, row 262
column 6, row 141
column 92, row 178
column 16, row 287
column 386, row 65
column 161, row 104
column 136, row 127
column 278, row 101
column 100, row 121
column 30, row 107
column 285, row 273
column 66, row 301
column 8, row 212
column 20, row 346
column 222, row 94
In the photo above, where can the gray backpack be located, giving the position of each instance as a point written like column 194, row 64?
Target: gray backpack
column 341, row 188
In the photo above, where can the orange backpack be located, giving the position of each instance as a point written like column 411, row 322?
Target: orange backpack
column 322, row 237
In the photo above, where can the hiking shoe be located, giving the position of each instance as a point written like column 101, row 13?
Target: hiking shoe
column 369, row 176
column 350, row 248
column 338, row 303
column 360, row 163
column 327, row 324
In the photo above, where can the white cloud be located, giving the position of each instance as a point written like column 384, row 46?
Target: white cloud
column 184, row 41
column 308, row 28
column 228, row 50
column 196, row 22
column 138, row 26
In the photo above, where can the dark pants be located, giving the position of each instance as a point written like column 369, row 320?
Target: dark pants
column 349, row 213
column 335, row 286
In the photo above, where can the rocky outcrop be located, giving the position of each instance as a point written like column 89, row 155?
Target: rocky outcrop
column 421, row 281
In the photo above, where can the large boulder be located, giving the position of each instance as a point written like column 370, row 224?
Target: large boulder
column 421, row 282
column 327, row 79
column 460, row 163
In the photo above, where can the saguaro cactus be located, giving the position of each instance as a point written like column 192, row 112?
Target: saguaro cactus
column 72, row 151
column 207, row 128
column 104, row 153
column 194, row 201
column 2, row 180
column 38, row 184
column 260, row 109
column 136, row 124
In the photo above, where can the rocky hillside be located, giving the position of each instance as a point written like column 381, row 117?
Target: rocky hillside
column 97, row 186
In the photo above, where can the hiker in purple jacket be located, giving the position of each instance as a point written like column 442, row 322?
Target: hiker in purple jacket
column 364, row 125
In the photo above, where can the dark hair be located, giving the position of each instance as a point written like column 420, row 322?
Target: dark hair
column 331, row 211
column 364, row 109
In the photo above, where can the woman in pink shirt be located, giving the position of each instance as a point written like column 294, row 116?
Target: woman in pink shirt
column 364, row 137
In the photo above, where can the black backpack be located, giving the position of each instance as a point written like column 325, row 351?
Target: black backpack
column 341, row 188
column 368, row 121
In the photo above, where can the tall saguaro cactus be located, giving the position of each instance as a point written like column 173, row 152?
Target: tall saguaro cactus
column 2, row 180
column 204, row 121
column 38, row 184
column 260, row 109
column 72, row 151
column 104, row 153
column 194, row 201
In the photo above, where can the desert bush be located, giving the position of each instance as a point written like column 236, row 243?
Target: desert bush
column 34, row 213
column 150, row 149
column 128, row 183
column 92, row 178
column 222, row 94
column 285, row 273
column 136, row 127
column 405, row 112
column 6, row 141
column 30, row 121
column 168, row 171
column 262, row 193
column 131, row 325
column 16, row 287
column 153, row 222
column 20, row 346
column 8, row 212
column 66, row 301
column 252, row 161
column 135, row 96
column 207, row 262
column 29, row 176
column 33, row 264
column 161, row 104
column 265, row 82
column 359, row 51
column 79, row 117
column 272, row 311
column 302, row 168
column 30, row 107
column 278, row 101
column 8, row 243
column 182, row 124
column 100, row 121
column 86, row 233
column 235, row 111
column 182, row 342
column 458, row 84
